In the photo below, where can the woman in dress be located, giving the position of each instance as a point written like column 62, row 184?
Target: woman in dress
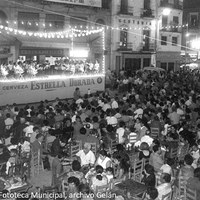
column 103, row 160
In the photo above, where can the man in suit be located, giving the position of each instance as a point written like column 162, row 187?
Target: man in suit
column 37, row 144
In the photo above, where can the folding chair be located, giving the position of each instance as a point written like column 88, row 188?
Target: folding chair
column 114, row 145
column 180, row 190
column 173, row 152
column 64, row 186
column 191, row 194
column 74, row 150
column 137, row 168
column 37, row 163
column 158, row 178
column 154, row 132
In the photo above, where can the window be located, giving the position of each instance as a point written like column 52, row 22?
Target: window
column 194, row 19
column 164, row 20
column 54, row 22
column 163, row 65
column 3, row 18
column 174, row 41
column 147, row 4
column 123, row 38
column 163, row 40
column 28, row 21
column 106, row 4
column 146, row 62
column 175, row 20
column 124, row 6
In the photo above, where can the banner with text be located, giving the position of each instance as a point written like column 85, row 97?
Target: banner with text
column 39, row 90
column 93, row 3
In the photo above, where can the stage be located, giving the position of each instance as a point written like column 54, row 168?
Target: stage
column 31, row 90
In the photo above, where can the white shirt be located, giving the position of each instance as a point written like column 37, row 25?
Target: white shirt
column 86, row 159
column 28, row 130
column 138, row 112
column 111, row 120
column 106, row 106
column 163, row 189
column 9, row 122
column 147, row 139
column 120, row 133
column 114, row 105
column 166, row 169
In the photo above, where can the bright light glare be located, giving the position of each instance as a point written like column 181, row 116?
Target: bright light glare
column 187, row 35
column 195, row 44
column 79, row 53
column 166, row 11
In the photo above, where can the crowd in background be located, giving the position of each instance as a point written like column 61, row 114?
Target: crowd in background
column 170, row 103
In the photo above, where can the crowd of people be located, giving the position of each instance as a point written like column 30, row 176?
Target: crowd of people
column 63, row 66
column 170, row 103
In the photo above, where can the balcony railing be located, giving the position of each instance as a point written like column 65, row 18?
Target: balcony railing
column 147, row 13
column 127, row 47
column 128, row 11
column 178, row 5
column 172, row 27
column 148, row 47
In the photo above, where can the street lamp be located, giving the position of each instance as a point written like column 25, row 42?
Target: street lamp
column 166, row 11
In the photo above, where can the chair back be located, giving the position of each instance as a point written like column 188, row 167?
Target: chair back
column 74, row 150
column 64, row 186
column 158, row 178
column 174, row 152
column 191, row 194
column 154, row 132
column 167, row 196
column 137, row 170
column 114, row 145
column 80, row 143
column 181, row 186
column 37, row 163
column 145, row 161
column 183, row 152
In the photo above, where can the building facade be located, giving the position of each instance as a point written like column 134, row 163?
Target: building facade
column 49, row 16
column 191, row 35
column 142, row 36
column 133, row 43
column 170, row 29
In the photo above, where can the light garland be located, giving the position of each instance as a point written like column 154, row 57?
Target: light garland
column 62, row 34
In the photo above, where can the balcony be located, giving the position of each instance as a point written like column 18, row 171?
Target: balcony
column 178, row 5
column 147, row 48
column 171, row 27
column 147, row 13
column 127, row 47
column 125, row 10
column 194, row 26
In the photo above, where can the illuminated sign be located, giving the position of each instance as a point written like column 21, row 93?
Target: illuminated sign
column 93, row 3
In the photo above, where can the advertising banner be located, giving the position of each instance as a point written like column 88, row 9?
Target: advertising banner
column 93, row 3
column 22, row 92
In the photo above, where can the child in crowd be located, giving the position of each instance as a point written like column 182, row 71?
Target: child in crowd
column 109, row 174
column 11, row 161
column 195, row 154
column 132, row 137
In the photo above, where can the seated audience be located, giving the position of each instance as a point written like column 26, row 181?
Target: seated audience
column 86, row 156
column 194, row 182
column 165, row 187
column 99, row 179
column 149, row 178
column 103, row 160
column 156, row 158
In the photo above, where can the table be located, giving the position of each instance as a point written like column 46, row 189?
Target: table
column 135, row 188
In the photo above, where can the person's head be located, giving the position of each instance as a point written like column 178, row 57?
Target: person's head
column 121, row 124
column 170, row 161
column 36, row 129
column 14, row 141
column 76, row 166
column 149, row 169
column 120, row 147
column 84, row 188
column 197, row 173
column 83, row 131
column 156, row 149
column 195, row 147
column 110, row 171
column 39, row 137
column 99, row 171
column 152, row 193
column 73, row 182
column 86, row 148
column 188, row 160
column 8, row 115
column 166, row 178
column 102, row 154
column 156, row 142
column 62, row 141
